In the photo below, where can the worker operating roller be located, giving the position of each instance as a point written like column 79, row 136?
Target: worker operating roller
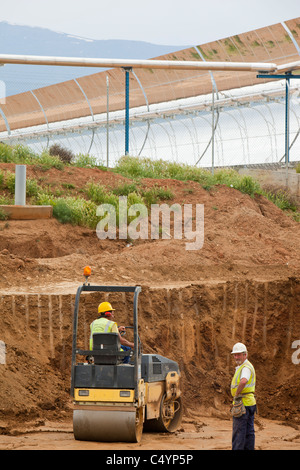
column 113, row 400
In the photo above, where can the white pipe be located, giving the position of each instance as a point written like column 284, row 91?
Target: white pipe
column 20, row 185
column 123, row 63
column 288, row 67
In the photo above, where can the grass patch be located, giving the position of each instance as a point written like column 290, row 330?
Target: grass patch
column 1, row 179
column 295, row 216
column 7, row 181
column 135, row 167
column 71, row 210
column 6, row 200
column 55, row 157
column 85, row 161
column 281, row 198
column 81, row 210
column 46, row 162
column 156, row 194
column 3, row 215
column 125, row 189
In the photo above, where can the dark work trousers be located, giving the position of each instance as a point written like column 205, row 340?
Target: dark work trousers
column 126, row 359
column 243, row 434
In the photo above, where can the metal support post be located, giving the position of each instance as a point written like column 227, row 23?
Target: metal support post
column 127, row 70
column 213, row 133
column 287, row 129
column 287, row 120
column 287, row 76
column 107, row 122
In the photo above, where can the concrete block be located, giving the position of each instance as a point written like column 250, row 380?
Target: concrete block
column 16, row 212
column 276, row 178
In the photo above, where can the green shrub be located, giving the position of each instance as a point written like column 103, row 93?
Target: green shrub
column 24, row 154
column 248, row 185
column 19, row 154
column 298, row 168
column 6, row 153
column 134, row 198
column 85, row 161
column 125, row 189
column 44, row 198
column 32, row 187
column 226, row 176
column 163, row 194
column 156, row 194
column 10, row 182
column 68, row 185
column 75, row 211
column 132, row 167
column 97, row 193
column 3, row 215
column 136, row 167
column 281, row 198
column 63, row 212
column 296, row 216
column 47, row 161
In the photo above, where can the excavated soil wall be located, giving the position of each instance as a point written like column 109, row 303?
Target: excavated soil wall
column 195, row 325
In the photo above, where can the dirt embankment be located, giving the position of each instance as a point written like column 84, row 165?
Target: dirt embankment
column 242, row 285
column 244, row 238
column 195, row 326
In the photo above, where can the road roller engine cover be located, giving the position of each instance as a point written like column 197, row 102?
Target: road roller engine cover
column 116, row 401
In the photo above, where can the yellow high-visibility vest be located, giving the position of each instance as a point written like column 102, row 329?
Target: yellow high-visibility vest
column 102, row 325
column 249, row 389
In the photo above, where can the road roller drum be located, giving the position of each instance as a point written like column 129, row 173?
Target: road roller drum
column 107, row 425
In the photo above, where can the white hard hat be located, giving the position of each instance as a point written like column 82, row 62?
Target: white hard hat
column 238, row 348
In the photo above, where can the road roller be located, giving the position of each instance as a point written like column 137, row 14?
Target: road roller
column 116, row 401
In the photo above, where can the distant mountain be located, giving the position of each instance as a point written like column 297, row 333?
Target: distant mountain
column 17, row 39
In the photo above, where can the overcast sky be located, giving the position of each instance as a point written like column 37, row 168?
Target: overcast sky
column 168, row 22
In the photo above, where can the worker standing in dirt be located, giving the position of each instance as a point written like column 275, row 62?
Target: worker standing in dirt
column 105, row 324
column 244, row 402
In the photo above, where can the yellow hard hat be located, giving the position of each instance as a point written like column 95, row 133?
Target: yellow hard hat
column 105, row 307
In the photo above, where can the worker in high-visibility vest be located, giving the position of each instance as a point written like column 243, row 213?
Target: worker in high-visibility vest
column 105, row 324
column 244, row 401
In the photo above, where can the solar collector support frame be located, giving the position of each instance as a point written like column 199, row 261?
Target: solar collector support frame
column 287, row 76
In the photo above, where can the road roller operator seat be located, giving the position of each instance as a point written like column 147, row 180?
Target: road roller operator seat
column 109, row 342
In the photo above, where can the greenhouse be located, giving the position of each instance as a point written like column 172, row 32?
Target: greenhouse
column 198, row 117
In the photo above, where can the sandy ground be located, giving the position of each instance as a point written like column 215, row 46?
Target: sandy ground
column 203, row 433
